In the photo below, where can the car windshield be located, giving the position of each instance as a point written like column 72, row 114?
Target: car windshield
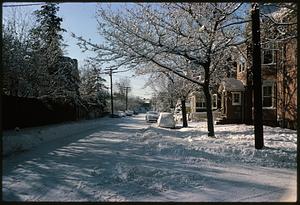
column 153, row 113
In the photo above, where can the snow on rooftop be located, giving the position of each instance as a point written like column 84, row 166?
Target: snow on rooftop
column 275, row 11
column 279, row 14
column 231, row 84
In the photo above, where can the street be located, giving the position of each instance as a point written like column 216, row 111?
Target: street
column 127, row 159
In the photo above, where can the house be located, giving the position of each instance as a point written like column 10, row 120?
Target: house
column 197, row 105
column 232, row 100
column 279, row 84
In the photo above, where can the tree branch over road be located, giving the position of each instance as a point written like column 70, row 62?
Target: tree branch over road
column 178, row 37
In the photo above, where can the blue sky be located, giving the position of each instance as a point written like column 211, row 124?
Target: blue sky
column 79, row 18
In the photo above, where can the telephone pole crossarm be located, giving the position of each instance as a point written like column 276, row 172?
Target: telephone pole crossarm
column 110, row 72
column 126, row 88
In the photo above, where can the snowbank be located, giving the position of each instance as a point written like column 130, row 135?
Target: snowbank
column 233, row 143
column 25, row 139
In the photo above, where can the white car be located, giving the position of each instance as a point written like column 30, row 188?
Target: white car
column 167, row 120
column 129, row 112
column 152, row 116
column 121, row 114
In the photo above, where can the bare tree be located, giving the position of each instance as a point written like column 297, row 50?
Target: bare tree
column 18, row 73
column 18, row 22
column 182, row 38
column 93, row 91
column 279, row 32
column 123, row 87
column 280, row 20
column 170, row 88
column 121, row 84
column 164, row 98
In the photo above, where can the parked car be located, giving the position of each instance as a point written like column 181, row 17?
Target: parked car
column 121, row 113
column 115, row 115
column 152, row 116
column 129, row 112
column 167, row 120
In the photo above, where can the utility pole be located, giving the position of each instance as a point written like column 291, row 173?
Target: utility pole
column 111, row 90
column 126, row 96
column 256, row 70
column 126, row 93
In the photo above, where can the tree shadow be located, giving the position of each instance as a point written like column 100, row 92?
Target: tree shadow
column 103, row 164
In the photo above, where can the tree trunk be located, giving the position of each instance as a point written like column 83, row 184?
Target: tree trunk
column 210, row 122
column 183, row 111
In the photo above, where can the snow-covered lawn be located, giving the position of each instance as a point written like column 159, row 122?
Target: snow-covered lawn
column 127, row 159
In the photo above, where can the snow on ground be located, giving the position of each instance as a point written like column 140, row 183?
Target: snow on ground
column 16, row 141
column 127, row 159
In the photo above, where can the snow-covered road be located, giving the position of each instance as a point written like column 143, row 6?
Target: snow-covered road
column 127, row 159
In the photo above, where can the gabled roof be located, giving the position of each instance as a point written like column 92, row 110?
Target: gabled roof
column 231, row 84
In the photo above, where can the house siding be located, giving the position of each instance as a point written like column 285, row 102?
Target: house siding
column 282, row 76
column 287, row 86
column 283, row 72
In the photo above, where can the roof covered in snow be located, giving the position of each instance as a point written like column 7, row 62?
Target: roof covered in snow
column 280, row 13
column 231, row 84
column 275, row 11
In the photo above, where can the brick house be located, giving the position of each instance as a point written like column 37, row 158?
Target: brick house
column 197, row 105
column 232, row 100
column 279, row 84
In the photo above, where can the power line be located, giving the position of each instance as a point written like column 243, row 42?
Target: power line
column 19, row 5
column 108, row 71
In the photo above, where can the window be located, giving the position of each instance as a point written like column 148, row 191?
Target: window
column 214, row 101
column 200, row 103
column 241, row 65
column 236, row 98
column 268, row 53
column 268, row 57
column 267, row 94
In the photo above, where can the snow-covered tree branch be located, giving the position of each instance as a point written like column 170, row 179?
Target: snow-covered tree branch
column 178, row 37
